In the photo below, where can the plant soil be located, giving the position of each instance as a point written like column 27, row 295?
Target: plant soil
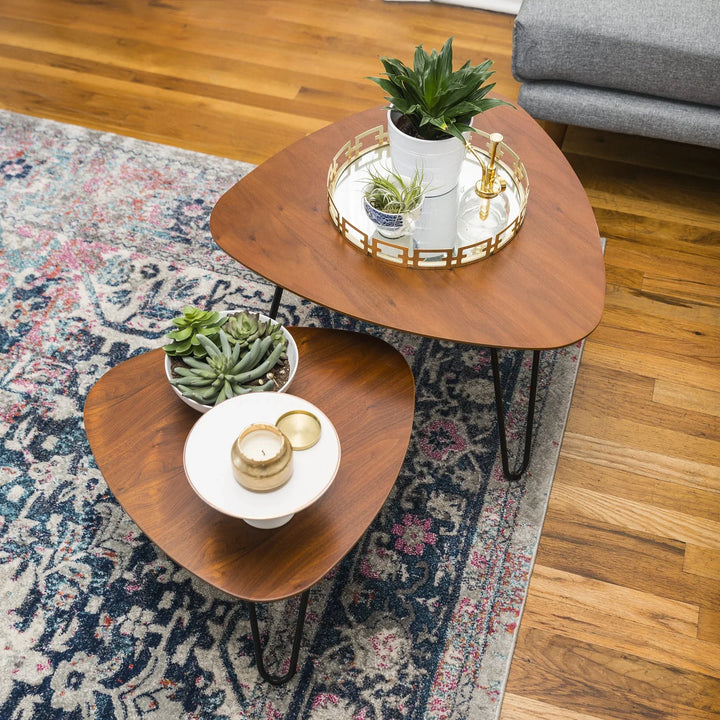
column 405, row 125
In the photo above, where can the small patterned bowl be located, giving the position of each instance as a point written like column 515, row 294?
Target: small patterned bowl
column 392, row 225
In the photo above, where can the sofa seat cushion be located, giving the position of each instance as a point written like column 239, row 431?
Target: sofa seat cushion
column 660, row 48
column 622, row 112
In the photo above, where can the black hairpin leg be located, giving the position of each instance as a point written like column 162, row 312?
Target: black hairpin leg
column 279, row 679
column 516, row 474
column 276, row 302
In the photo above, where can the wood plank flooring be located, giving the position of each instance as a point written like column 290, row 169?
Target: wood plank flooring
column 623, row 614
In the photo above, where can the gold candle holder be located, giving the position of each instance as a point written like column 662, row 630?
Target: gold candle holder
column 261, row 458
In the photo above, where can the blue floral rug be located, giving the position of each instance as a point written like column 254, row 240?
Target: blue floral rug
column 103, row 239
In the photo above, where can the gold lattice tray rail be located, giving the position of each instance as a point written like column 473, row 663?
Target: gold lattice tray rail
column 348, row 175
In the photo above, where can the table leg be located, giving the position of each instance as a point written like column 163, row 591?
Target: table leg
column 279, row 679
column 275, row 302
column 499, row 409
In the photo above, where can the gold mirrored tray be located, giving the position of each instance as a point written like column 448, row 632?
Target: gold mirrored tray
column 435, row 242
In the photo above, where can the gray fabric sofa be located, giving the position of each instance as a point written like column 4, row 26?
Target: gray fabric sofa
column 643, row 67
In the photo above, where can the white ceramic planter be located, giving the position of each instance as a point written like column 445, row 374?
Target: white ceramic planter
column 439, row 160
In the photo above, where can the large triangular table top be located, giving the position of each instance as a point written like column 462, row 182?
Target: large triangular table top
column 137, row 428
column 544, row 290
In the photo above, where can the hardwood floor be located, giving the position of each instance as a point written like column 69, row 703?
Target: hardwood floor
column 623, row 615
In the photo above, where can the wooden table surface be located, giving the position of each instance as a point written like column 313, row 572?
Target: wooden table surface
column 137, row 427
column 545, row 289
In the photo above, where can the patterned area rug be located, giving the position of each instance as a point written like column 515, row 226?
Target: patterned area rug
column 102, row 240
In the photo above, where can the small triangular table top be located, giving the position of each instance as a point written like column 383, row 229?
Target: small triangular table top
column 137, row 428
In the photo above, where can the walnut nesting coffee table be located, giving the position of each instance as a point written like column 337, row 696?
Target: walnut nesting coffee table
column 544, row 290
column 137, row 427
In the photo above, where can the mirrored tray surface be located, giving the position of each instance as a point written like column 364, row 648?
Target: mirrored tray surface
column 434, row 242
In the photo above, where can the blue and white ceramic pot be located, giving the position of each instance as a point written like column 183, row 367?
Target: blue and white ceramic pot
column 392, row 225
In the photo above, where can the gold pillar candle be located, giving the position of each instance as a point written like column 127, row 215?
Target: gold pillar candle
column 261, row 458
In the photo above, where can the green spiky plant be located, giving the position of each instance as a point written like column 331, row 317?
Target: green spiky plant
column 434, row 101
column 189, row 326
column 390, row 192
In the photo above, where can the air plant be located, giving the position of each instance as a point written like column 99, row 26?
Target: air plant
column 391, row 193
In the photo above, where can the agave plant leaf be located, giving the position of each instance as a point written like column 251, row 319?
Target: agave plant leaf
column 211, row 348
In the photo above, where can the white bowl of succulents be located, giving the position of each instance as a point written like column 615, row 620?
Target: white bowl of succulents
column 214, row 355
